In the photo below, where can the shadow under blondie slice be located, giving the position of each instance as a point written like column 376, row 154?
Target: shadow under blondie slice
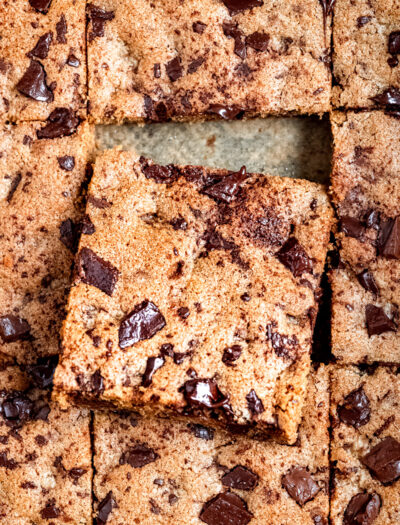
column 366, row 192
column 215, row 58
column 45, row 453
column 365, row 446
column 159, row 471
column 195, row 294
column 42, row 172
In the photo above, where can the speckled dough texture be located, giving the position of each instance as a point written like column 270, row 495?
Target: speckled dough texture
column 194, row 293
column 42, row 58
column 365, row 415
column 366, row 192
column 365, row 57
column 184, row 466
column 45, row 456
column 40, row 207
column 188, row 60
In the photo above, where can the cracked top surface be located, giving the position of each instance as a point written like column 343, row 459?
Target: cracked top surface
column 194, row 293
column 45, row 456
column 365, row 58
column 172, row 59
column 365, row 415
column 182, row 467
column 40, row 204
column 366, row 192
column 42, row 58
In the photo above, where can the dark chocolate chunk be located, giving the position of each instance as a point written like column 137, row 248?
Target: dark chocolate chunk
column 355, row 410
column 157, row 74
column 95, row 271
column 76, row 473
column 101, row 203
column 383, row 461
column 98, row 17
column 394, row 43
column 7, row 463
column 293, row 256
column 202, row 432
column 183, row 312
column 41, row 50
column 202, row 392
column 43, row 371
column 73, row 61
column 231, row 30
column 160, row 174
column 167, row 350
column 69, row 234
column 96, row 384
column 226, row 508
column 367, row 281
column 14, row 185
column 362, row 509
column 139, row 456
column 105, row 508
column 17, row 409
column 174, row 69
column 389, row 98
column 377, row 321
column 66, row 163
column 351, row 227
column 61, row 122
column 215, row 241
column 226, row 189
column 393, row 61
column 153, row 364
column 284, row 346
column 13, row 328
column 300, row 485
column 33, row 83
column 254, row 403
column 143, row 322
column 362, row 21
column 41, row 5
column 50, row 511
column 198, row 27
column 231, row 354
column 179, row 223
column 389, row 239
column 61, row 30
column 87, row 227
column 240, row 478
column 195, row 64
column 225, row 112
column 236, row 6
column 258, row 41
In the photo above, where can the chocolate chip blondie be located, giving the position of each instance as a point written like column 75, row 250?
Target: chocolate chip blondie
column 365, row 448
column 195, row 294
column 154, row 61
column 366, row 192
column 45, row 454
column 187, row 473
column 42, row 171
column 366, row 49
column 42, row 58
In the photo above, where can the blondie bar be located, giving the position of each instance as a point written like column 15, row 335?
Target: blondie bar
column 159, row 471
column 42, row 58
column 365, row 448
column 215, row 58
column 366, row 192
column 41, row 179
column 195, row 294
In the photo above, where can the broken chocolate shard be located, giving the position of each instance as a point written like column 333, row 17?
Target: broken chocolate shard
column 390, row 98
column 226, row 189
column 240, row 478
column 377, row 321
column 226, row 508
column 41, row 5
column 61, row 122
column 153, row 364
column 138, row 456
column 33, row 83
column 98, row 17
column 352, row 227
column 42, row 372
column 389, row 239
column 95, row 271
column 355, row 410
column 203, row 393
column 14, row 185
column 383, row 461
column 362, row 509
column 394, row 43
column 174, row 69
column 66, row 163
column 69, row 234
column 13, row 328
column 258, row 41
column 237, row 6
column 254, row 403
column 105, row 508
column 143, row 322
column 367, row 281
column 300, row 485
column 293, row 256
column 231, row 354
column 41, row 49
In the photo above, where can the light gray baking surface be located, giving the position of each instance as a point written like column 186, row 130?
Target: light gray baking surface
column 292, row 147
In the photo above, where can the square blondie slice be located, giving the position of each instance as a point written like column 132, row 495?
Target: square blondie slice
column 366, row 49
column 41, row 176
column 45, row 453
column 159, row 471
column 155, row 61
column 42, row 58
column 195, row 294
column 366, row 192
column 365, row 447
